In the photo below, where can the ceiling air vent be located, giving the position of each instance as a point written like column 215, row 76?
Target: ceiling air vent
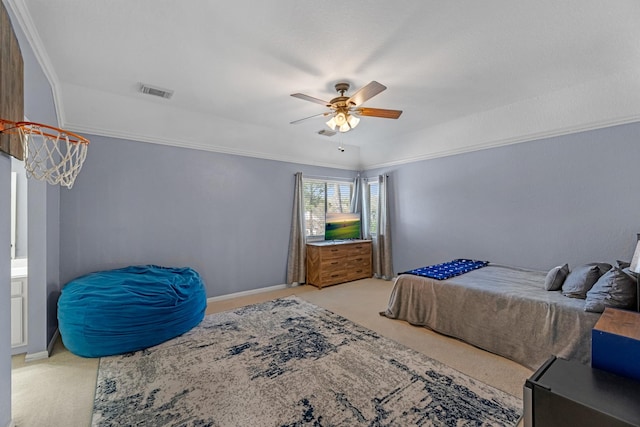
column 155, row 91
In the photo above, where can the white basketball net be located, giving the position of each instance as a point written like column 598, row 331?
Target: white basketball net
column 52, row 155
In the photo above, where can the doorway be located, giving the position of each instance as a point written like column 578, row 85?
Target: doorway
column 19, row 257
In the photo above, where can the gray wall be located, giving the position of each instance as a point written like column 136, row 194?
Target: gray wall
column 53, row 283
column 43, row 212
column 44, row 259
column 21, row 207
column 226, row 216
column 536, row 204
column 5, row 291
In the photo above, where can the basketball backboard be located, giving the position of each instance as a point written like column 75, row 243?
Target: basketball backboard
column 11, row 85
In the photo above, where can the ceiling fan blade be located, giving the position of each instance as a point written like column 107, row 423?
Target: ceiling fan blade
column 310, row 117
column 311, row 98
column 365, row 93
column 378, row 112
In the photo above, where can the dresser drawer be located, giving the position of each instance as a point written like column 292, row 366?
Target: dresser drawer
column 331, row 277
column 359, row 273
column 330, row 264
column 359, row 250
column 358, row 260
column 334, row 252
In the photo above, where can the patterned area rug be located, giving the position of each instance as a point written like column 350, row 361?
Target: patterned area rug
column 289, row 363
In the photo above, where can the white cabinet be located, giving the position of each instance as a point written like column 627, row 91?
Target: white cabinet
column 18, row 311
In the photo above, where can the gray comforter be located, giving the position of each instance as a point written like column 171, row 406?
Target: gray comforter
column 501, row 309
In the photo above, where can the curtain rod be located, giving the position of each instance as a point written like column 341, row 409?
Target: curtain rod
column 342, row 178
column 339, row 178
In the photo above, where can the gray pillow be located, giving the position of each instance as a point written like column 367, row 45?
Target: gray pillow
column 615, row 289
column 622, row 264
column 582, row 278
column 555, row 277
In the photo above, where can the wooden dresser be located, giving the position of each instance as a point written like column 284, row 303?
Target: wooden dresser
column 330, row 263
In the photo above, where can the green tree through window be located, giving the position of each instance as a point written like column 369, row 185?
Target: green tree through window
column 321, row 196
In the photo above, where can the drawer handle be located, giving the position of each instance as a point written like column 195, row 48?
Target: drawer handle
column 335, row 250
column 334, row 263
column 359, row 259
column 335, row 275
column 358, row 271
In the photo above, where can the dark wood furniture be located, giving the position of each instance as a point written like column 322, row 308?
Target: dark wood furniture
column 11, row 85
column 569, row 394
column 330, row 263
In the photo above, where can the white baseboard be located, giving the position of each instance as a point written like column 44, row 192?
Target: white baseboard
column 251, row 292
column 30, row 357
column 18, row 350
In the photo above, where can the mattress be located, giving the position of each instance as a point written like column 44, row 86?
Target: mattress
column 501, row 309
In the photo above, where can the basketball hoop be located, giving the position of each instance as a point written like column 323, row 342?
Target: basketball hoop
column 50, row 154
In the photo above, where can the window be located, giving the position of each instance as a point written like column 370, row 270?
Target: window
column 321, row 196
column 372, row 188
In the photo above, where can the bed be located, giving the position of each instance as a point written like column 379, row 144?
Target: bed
column 501, row 309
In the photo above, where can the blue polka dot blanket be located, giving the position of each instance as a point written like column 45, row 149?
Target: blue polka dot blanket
column 448, row 269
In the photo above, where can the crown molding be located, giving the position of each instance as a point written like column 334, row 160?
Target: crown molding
column 289, row 159
column 21, row 12
column 109, row 133
column 508, row 141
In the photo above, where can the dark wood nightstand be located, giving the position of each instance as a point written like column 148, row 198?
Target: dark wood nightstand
column 564, row 393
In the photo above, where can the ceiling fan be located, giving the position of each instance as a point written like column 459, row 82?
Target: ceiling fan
column 346, row 109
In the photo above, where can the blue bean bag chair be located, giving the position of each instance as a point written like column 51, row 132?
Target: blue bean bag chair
column 129, row 309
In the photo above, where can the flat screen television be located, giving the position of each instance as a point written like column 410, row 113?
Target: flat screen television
column 342, row 226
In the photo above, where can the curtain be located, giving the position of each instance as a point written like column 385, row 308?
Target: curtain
column 382, row 259
column 296, row 259
column 356, row 201
column 366, row 210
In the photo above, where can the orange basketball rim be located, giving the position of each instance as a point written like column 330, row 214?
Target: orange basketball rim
column 50, row 154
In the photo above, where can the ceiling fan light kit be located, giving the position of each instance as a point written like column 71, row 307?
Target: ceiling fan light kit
column 344, row 108
column 343, row 121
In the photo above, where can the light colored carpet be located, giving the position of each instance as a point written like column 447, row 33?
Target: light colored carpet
column 288, row 362
column 60, row 390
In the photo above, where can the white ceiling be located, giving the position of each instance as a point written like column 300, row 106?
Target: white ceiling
column 467, row 74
